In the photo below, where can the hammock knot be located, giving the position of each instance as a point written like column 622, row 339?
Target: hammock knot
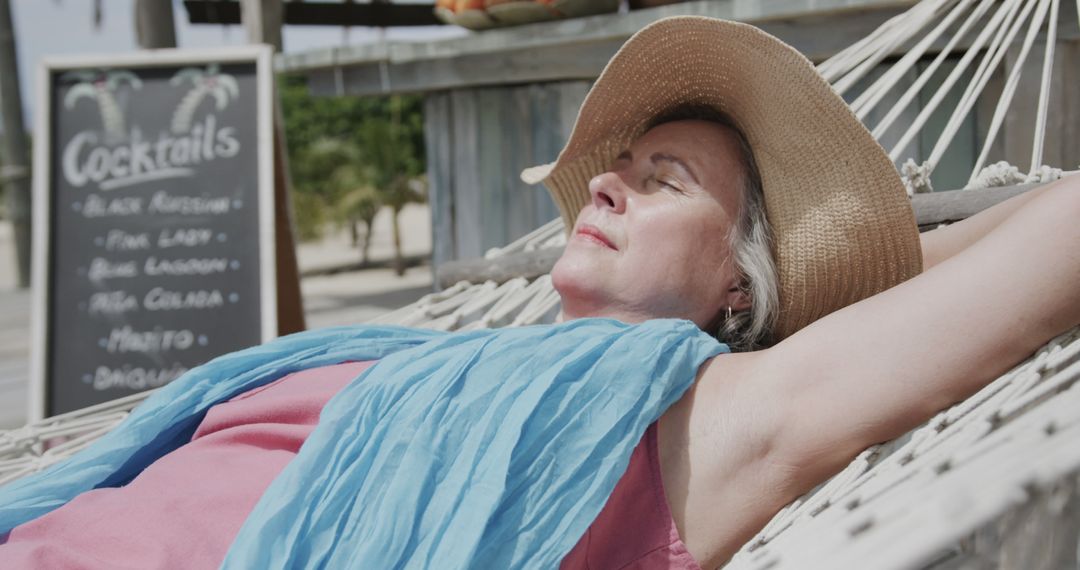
column 916, row 177
column 1004, row 174
column 1044, row 174
column 998, row 174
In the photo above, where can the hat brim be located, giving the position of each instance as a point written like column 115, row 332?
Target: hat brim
column 842, row 224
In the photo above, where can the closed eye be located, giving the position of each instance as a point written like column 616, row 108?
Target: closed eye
column 668, row 184
column 654, row 181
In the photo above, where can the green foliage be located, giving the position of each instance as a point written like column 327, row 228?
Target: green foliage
column 310, row 213
column 350, row 156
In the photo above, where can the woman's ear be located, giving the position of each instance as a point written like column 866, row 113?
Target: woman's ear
column 737, row 299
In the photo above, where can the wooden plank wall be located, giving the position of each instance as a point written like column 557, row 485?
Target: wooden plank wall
column 572, row 49
column 479, row 137
column 478, row 141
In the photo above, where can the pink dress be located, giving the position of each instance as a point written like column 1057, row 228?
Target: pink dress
column 185, row 510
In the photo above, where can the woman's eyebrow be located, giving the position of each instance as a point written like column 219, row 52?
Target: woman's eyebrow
column 661, row 157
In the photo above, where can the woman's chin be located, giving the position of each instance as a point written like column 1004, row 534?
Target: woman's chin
column 573, row 275
column 580, row 289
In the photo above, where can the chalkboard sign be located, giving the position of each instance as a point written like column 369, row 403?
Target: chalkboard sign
column 153, row 220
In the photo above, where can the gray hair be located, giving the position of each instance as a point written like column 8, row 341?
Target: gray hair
column 751, row 244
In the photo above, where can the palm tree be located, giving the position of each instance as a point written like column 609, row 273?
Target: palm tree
column 397, row 170
column 209, row 82
column 359, row 203
column 402, row 190
column 101, row 87
column 345, row 186
column 382, row 138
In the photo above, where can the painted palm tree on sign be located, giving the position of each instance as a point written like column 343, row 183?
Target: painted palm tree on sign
column 205, row 82
column 102, row 86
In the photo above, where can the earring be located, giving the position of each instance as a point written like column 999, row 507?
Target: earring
column 728, row 312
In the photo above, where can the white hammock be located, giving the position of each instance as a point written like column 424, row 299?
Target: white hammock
column 991, row 26
column 910, row 503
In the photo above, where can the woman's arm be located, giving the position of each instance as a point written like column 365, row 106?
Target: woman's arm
column 759, row 429
column 878, row 368
column 944, row 242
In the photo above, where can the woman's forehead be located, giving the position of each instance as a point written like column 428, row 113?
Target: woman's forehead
column 688, row 139
column 709, row 149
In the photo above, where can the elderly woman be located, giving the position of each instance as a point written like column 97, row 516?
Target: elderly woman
column 711, row 177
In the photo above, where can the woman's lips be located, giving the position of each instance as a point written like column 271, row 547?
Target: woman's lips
column 592, row 233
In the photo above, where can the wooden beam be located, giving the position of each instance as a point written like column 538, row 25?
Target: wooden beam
column 529, row 264
column 262, row 20
column 562, row 61
column 592, row 29
column 941, row 207
column 554, row 63
column 320, row 13
column 568, row 49
column 211, row 12
column 930, row 210
column 578, row 48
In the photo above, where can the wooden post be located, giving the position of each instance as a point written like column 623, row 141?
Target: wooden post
column 262, row 20
column 154, row 24
column 14, row 159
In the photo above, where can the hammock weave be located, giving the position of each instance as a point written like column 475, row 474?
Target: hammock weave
column 977, row 472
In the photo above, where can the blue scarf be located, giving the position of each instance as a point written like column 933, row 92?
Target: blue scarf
column 485, row 449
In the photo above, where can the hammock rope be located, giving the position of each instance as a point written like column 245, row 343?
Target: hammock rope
column 924, row 26
column 1003, row 105
column 990, row 61
column 915, row 89
column 1023, row 425
column 868, row 100
column 997, row 24
column 1044, row 90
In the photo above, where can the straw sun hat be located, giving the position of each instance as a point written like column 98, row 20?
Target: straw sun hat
column 842, row 224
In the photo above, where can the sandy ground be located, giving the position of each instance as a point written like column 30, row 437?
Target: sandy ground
column 7, row 258
column 336, row 249
column 357, row 296
column 342, row 298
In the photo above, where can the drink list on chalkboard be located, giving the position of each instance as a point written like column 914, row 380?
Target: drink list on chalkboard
column 157, row 239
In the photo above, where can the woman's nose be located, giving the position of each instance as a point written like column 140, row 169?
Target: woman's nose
column 608, row 192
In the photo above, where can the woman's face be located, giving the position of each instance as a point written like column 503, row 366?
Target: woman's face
column 653, row 243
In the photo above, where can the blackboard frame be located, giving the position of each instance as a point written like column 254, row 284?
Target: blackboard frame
column 43, row 185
